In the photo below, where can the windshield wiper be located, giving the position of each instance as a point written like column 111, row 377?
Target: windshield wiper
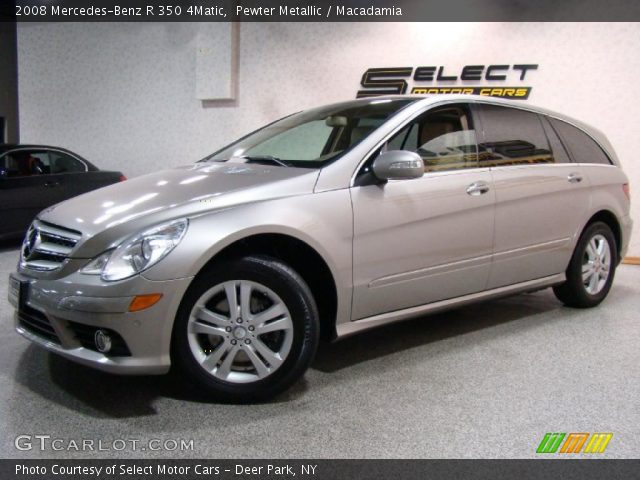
column 264, row 159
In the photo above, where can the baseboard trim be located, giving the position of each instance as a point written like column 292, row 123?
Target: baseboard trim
column 631, row 260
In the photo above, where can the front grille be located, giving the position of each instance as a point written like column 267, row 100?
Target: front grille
column 85, row 334
column 37, row 323
column 47, row 246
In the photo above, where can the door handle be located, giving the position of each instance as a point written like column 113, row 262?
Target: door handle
column 51, row 184
column 574, row 178
column 477, row 188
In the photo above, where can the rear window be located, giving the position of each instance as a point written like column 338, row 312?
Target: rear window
column 581, row 146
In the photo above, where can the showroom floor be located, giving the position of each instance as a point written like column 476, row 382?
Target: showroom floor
column 482, row 381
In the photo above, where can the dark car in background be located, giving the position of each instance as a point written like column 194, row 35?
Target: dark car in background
column 34, row 177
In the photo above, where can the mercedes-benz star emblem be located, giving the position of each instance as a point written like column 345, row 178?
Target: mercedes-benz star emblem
column 30, row 243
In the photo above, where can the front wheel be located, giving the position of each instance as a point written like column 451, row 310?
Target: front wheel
column 592, row 268
column 246, row 330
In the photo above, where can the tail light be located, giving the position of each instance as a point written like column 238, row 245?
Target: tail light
column 122, row 178
column 627, row 192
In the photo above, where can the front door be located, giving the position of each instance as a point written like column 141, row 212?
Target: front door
column 428, row 239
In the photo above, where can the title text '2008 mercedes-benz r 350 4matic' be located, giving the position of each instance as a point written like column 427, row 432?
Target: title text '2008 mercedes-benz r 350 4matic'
column 323, row 224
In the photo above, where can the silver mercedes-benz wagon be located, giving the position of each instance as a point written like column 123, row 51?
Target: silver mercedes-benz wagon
column 322, row 224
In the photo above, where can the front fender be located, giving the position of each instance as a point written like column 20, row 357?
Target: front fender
column 321, row 220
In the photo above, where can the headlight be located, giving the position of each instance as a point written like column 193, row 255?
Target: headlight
column 137, row 253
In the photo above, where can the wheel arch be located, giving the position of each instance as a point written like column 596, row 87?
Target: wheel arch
column 300, row 256
column 610, row 219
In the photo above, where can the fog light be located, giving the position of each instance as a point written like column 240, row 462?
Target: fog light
column 102, row 341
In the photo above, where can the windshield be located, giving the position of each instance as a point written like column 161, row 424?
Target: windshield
column 314, row 137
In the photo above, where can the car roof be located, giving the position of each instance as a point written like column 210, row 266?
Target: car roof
column 10, row 146
column 356, row 102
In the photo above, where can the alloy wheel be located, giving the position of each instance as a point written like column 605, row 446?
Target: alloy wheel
column 240, row 331
column 596, row 264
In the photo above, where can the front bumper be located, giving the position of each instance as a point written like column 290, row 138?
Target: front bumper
column 56, row 313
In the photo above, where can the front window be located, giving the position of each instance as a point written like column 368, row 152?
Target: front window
column 314, row 137
column 444, row 138
column 24, row 163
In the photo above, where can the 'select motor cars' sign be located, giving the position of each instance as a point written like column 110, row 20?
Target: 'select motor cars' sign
column 433, row 80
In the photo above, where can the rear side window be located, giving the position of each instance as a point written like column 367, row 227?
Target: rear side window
column 63, row 163
column 512, row 137
column 581, row 146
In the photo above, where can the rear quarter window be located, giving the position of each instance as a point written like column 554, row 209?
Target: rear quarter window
column 582, row 147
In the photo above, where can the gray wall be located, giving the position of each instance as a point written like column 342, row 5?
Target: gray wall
column 126, row 95
column 9, row 80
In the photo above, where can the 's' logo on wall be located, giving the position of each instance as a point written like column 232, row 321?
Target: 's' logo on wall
column 574, row 443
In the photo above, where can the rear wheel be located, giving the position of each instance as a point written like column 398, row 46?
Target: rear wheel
column 592, row 268
column 246, row 330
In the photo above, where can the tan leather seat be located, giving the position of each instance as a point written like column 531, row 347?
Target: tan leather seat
column 431, row 130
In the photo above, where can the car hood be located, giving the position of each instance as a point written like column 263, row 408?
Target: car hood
column 106, row 216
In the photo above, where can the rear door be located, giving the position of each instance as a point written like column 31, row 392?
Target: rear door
column 71, row 174
column 541, row 196
column 75, row 176
column 428, row 239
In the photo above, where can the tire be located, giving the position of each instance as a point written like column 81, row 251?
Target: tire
column 596, row 252
column 244, row 357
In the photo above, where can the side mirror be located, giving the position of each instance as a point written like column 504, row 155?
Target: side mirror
column 398, row 165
